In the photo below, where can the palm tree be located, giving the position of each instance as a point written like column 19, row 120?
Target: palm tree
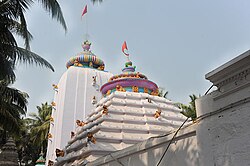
column 40, row 125
column 12, row 21
column 95, row 1
column 12, row 107
column 189, row 110
column 28, row 152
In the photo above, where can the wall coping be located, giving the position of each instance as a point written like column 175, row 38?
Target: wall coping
column 230, row 68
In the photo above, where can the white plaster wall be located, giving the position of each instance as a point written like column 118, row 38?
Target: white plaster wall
column 223, row 133
column 182, row 152
column 73, row 101
column 224, row 138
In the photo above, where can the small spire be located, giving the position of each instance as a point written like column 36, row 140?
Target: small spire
column 86, row 45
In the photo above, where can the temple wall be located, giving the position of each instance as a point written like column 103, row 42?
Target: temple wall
column 223, row 132
column 182, row 151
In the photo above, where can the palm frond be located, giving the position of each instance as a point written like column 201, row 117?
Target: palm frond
column 189, row 110
column 26, row 56
column 97, row 1
column 12, row 95
column 23, row 31
column 53, row 7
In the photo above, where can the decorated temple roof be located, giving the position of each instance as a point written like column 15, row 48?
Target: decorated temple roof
column 40, row 161
column 119, row 121
column 131, row 81
column 86, row 58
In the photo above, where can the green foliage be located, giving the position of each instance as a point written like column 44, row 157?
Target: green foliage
column 40, row 124
column 189, row 110
column 13, row 23
column 12, row 101
column 33, row 135
column 12, row 107
column 162, row 92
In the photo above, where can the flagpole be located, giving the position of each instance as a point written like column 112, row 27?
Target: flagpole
column 86, row 26
column 84, row 12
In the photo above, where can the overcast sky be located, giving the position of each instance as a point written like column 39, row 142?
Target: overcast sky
column 175, row 43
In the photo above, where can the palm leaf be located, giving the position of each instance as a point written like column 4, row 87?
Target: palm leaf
column 53, row 7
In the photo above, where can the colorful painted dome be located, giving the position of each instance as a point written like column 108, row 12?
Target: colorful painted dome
column 86, row 58
column 129, row 81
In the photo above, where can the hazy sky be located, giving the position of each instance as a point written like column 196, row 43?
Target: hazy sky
column 175, row 43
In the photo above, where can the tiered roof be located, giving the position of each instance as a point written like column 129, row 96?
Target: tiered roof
column 130, row 112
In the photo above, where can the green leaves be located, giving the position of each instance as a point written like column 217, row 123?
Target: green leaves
column 40, row 124
column 189, row 110
column 53, row 7
column 12, row 107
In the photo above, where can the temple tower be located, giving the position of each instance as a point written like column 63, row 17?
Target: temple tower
column 130, row 112
column 76, row 95
column 9, row 155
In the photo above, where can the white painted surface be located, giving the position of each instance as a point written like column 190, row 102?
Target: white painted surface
column 223, row 134
column 222, row 131
column 148, row 153
column 73, row 101
column 130, row 120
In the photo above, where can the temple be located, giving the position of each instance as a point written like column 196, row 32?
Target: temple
column 76, row 95
column 129, row 111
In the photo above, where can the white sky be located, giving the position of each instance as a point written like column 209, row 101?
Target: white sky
column 175, row 43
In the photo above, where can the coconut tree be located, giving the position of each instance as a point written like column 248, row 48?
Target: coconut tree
column 28, row 152
column 39, row 124
column 189, row 110
column 12, row 107
column 13, row 22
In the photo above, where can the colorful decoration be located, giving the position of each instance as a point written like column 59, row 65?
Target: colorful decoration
column 101, row 67
column 128, row 75
column 128, row 63
column 49, row 135
column 129, row 80
column 108, row 92
column 59, row 153
column 91, row 138
column 53, row 104
column 51, row 119
column 76, row 63
column 84, row 60
column 86, row 45
column 135, row 88
column 55, row 86
column 127, row 84
column 80, row 123
column 105, row 110
column 157, row 113
column 50, row 163
column 120, row 88
column 155, row 92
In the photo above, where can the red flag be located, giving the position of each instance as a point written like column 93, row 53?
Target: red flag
column 84, row 10
column 125, row 48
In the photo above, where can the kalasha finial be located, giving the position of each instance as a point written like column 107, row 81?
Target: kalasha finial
column 86, row 45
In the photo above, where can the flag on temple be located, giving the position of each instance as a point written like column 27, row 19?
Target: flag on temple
column 84, row 10
column 125, row 48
